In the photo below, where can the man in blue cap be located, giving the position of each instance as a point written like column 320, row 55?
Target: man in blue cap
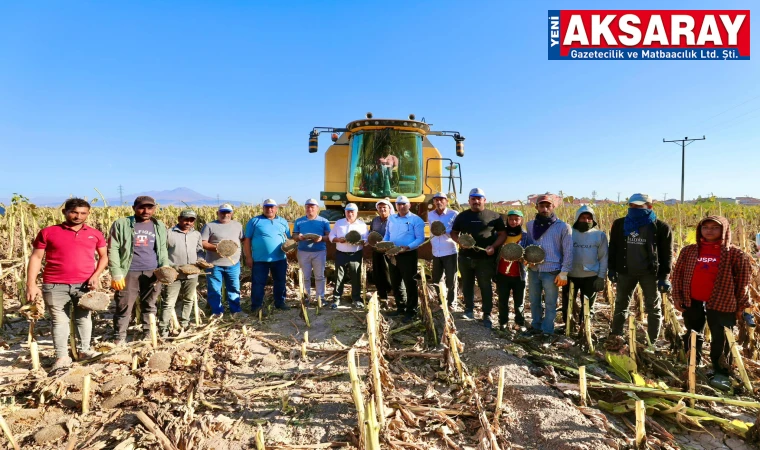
column 489, row 232
column 264, row 236
column 226, row 269
column 640, row 252
column 444, row 248
column 312, row 253
column 349, row 257
column 406, row 230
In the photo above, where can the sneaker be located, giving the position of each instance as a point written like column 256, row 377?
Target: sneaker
column 749, row 319
column 396, row 313
column 282, row 307
column 119, row 342
column 487, row 323
column 504, row 326
column 61, row 363
column 240, row 315
column 721, row 382
column 469, row 315
column 88, row 354
column 359, row 305
column 334, row 305
column 531, row 332
column 408, row 317
column 217, row 316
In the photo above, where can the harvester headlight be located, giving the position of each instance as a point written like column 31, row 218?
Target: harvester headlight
column 336, row 197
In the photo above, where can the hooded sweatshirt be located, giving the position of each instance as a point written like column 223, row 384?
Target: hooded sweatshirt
column 730, row 288
column 589, row 248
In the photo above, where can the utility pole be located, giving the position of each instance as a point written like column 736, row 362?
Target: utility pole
column 217, row 199
column 618, row 197
column 664, row 196
column 684, row 142
column 121, row 195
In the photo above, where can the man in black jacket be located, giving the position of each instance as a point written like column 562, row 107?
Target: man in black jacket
column 640, row 252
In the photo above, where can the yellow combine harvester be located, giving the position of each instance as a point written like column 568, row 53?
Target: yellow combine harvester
column 371, row 159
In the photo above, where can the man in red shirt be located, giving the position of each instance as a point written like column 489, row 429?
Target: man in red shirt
column 70, row 271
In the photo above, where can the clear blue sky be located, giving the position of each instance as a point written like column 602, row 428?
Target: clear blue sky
column 220, row 97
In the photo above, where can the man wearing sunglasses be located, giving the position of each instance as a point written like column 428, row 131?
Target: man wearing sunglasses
column 185, row 246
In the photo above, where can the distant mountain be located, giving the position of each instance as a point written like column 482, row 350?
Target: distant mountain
column 173, row 197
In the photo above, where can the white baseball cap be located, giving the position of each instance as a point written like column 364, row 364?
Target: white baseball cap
column 352, row 207
column 440, row 195
column 477, row 192
column 402, row 199
column 312, row 201
column 270, row 202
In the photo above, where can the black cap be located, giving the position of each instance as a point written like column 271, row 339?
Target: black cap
column 144, row 200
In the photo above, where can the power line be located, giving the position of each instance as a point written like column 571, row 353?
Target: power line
column 684, row 142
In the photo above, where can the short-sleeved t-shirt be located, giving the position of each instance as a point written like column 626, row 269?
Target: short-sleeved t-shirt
column 69, row 254
column 144, row 254
column 483, row 226
column 319, row 225
column 216, row 231
column 267, row 237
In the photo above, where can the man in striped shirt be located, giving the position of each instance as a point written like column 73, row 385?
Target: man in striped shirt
column 555, row 237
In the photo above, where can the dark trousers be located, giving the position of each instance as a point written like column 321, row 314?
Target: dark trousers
column 139, row 284
column 482, row 269
column 351, row 264
column 380, row 275
column 716, row 320
column 446, row 265
column 403, row 282
column 260, row 274
column 586, row 286
column 694, row 318
column 653, row 304
column 516, row 286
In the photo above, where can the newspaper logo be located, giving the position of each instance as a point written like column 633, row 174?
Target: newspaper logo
column 716, row 35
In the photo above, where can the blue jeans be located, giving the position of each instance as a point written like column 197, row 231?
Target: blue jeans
column 231, row 277
column 538, row 282
column 260, row 274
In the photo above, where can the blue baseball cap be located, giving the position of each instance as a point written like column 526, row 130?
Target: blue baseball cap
column 477, row 192
column 270, row 202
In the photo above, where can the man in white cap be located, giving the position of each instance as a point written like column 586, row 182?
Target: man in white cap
column 406, row 230
column 380, row 274
column 225, row 270
column 264, row 236
column 640, row 252
column 444, row 248
column 312, row 253
column 348, row 257
column 489, row 232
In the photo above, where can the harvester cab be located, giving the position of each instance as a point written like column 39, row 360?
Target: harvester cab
column 372, row 159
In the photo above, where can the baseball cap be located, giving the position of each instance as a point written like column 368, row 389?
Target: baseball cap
column 352, row 207
column 226, row 207
column 402, row 199
column 384, row 201
column 312, row 201
column 440, row 195
column 269, row 202
column 545, row 198
column 640, row 199
column 188, row 213
column 144, row 200
column 515, row 212
column 477, row 192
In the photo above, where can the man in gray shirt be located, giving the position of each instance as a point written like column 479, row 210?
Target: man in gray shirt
column 184, row 244
column 225, row 269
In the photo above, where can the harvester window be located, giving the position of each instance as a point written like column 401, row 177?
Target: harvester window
column 386, row 163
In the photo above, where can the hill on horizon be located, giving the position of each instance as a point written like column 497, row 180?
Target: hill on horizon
column 172, row 197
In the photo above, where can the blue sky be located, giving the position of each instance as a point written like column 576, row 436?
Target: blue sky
column 220, row 97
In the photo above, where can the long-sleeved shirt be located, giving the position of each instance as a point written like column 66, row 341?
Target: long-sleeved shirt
column 557, row 242
column 408, row 230
column 443, row 245
column 184, row 248
column 342, row 227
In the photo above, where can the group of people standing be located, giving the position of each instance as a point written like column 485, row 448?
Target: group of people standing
column 709, row 283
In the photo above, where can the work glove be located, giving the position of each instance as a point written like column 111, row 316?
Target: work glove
column 599, row 284
column 749, row 319
column 664, row 286
column 612, row 275
column 561, row 279
column 118, row 285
